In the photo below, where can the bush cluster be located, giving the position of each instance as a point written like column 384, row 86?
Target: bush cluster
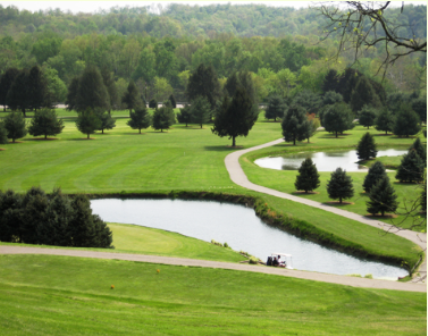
column 38, row 218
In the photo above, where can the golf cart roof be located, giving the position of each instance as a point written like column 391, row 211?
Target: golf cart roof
column 281, row 254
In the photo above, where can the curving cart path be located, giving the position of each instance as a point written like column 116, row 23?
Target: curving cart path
column 238, row 176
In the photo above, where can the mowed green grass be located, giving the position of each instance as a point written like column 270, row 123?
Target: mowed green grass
column 50, row 295
column 284, row 180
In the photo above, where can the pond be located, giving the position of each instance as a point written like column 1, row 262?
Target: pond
column 240, row 228
column 325, row 161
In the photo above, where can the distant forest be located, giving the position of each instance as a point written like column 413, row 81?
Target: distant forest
column 280, row 46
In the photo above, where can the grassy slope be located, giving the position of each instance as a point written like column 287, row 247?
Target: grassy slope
column 49, row 295
column 284, row 180
column 182, row 159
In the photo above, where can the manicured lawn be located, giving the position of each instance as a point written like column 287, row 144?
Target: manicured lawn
column 284, row 180
column 50, row 295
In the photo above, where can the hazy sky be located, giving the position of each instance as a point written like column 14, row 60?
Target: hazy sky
column 93, row 6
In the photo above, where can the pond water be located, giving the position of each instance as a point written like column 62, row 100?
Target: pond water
column 240, row 228
column 325, row 161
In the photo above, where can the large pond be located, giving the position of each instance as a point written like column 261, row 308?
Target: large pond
column 325, row 161
column 240, row 228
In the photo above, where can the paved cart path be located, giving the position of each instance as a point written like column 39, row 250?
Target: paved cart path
column 330, row 278
column 238, row 176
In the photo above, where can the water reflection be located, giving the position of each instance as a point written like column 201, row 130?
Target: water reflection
column 325, row 161
column 240, row 228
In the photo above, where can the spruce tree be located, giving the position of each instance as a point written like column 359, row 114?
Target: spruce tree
column 295, row 124
column 139, row 119
column 235, row 117
column 71, row 101
column 131, row 97
column 6, row 81
column 382, row 198
column 337, row 118
column 420, row 150
column 385, row 121
column 407, row 122
column 91, row 91
column 276, row 108
column 45, row 122
column 376, row 172
column 366, row 148
column 88, row 122
column 3, row 134
column 200, row 110
column 411, row 168
column 163, row 118
column 106, row 121
column 340, row 185
column 15, row 126
column 367, row 116
column 184, row 116
column 308, row 177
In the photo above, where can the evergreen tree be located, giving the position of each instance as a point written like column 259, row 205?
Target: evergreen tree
column 172, row 101
column 82, row 227
column 91, row 91
column 420, row 107
column 367, row 116
column 6, row 81
column 276, row 108
column 110, row 85
column 407, row 122
column 376, row 172
column 236, row 117
column 366, row 148
column 232, row 84
column 340, row 185
column 163, row 118
column 131, row 98
column 106, row 121
column 382, row 197
column 45, row 122
column 330, row 82
column 3, row 134
column 88, row 122
column 420, row 150
column 385, row 121
column 185, row 115
column 411, row 168
column 203, row 82
column 71, row 101
column 153, row 104
column 308, row 178
column 35, row 227
column 331, row 97
column 15, row 126
column 308, row 100
column 363, row 94
column 295, row 124
column 37, row 89
column 59, row 214
column 10, row 215
column 18, row 96
column 337, row 118
column 139, row 119
column 200, row 110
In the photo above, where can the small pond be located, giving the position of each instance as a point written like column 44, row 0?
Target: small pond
column 325, row 161
column 240, row 228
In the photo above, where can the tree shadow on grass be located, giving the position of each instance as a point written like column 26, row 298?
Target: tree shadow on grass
column 42, row 139
column 222, row 148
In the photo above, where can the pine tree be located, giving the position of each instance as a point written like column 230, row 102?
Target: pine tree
column 382, row 198
column 337, row 118
column 6, row 81
column 184, row 116
column 3, row 134
column 376, row 172
column 139, row 119
column 295, row 124
column 15, row 126
column 308, row 177
column 45, row 122
column 91, row 91
column 163, row 118
column 71, row 101
column 131, row 97
column 276, row 108
column 106, row 121
column 340, row 185
column 411, row 168
column 420, row 150
column 385, row 121
column 200, row 110
column 236, row 117
column 407, row 122
column 364, row 94
column 88, row 122
column 18, row 96
column 366, row 148
column 37, row 88
column 330, row 82
column 203, row 82
column 367, row 116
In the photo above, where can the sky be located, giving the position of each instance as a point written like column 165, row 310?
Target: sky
column 93, row 6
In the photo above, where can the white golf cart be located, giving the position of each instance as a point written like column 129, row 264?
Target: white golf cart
column 280, row 260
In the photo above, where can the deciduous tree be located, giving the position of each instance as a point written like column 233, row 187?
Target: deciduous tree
column 406, row 122
column 338, row 118
column 6, row 81
column 295, row 124
column 367, row 116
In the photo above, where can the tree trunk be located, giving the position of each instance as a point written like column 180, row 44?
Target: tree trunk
column 46, row 136
column 340, row 199
column 102, row 131
column 23, row 111
column 336, row 134
column 88, row 136
column 233, row 142
column 140, row 130
column 201, row 125
column 386, row 132
column 294, row 140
